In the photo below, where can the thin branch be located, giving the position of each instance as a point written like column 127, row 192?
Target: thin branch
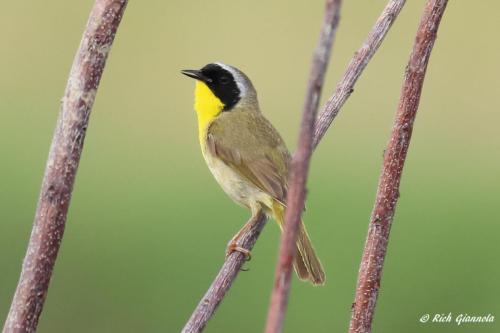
column 343, row 91
column 321, row 57
column 370, row 271
column 62, row 164
column 299, row 170
column 358, row 63
column 224, row 279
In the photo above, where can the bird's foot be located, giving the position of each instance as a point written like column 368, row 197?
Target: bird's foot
column 233, row 247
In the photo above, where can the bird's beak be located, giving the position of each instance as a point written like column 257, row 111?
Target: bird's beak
column 195, row 74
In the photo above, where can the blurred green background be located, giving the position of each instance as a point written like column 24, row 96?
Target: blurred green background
column 148, row 225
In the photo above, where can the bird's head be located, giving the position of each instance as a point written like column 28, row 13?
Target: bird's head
column 222, row 87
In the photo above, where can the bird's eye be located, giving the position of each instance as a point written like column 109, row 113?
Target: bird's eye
column 224, row 80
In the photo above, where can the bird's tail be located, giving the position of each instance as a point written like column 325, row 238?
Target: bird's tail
column 306, row 263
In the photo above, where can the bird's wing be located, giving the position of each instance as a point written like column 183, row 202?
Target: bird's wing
column 249, row 144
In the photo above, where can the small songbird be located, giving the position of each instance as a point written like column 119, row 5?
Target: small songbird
column 246, row 154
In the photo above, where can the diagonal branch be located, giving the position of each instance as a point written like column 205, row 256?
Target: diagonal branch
column 299, row 170
column 353, row 71
column 370, row 271
column 62, row 164
column 230, row 269
column 343, row 91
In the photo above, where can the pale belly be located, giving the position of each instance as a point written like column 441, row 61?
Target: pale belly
column 238, row 189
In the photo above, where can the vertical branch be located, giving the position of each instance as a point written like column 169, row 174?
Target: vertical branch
column 321, row 56
column 230, row 269
column 372, row 262
column 358, row 63
column 300, row 168
column 62, row 164
column 308, row 141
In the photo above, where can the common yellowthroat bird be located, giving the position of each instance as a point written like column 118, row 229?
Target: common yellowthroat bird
column 246, row 154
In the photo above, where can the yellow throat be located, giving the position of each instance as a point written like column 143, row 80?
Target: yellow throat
column 207, row 107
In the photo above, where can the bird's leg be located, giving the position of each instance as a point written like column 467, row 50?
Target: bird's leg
column 233, row 243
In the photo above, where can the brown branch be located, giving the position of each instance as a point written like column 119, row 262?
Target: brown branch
column 224, row 279
column 370, row 271
column 62, row 164
column 299, row 170
column 358, row 63
column 343, row 91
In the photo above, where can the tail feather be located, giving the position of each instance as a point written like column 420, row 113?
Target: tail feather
column 306, row 263
column 306, row 258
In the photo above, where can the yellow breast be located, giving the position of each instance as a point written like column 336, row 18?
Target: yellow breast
column 207, row 107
